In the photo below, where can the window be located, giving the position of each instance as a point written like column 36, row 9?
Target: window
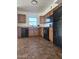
column 47, row 20
column 33, row 21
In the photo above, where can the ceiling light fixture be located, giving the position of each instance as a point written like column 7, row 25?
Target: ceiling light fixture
column 34, row 2
column 55, row 0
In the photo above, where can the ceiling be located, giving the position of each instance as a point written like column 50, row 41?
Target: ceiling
column 26, row 6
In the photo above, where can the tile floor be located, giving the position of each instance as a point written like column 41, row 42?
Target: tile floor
column 37, row 48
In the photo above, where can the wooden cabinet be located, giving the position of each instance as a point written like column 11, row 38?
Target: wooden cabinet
column 42, row 19
column 49, row 13
column 22, row 32
column 18, row 32
column 41, row 31
column 21, row 18
column 51, row 34
column 33, row 31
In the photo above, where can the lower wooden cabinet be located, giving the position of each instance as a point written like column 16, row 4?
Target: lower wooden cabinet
column 22, row 32
column 51, row 34
column 33, row 31
column 18, row 32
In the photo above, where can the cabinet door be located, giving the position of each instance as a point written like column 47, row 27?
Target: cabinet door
column 51, row 34
column 33, row 31
column 42, row 19
column 19, row 32
column 21, row 18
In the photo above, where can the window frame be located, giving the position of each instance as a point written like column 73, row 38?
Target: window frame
column 33, row 21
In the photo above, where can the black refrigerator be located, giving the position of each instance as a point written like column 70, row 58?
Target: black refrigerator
column 57, row 27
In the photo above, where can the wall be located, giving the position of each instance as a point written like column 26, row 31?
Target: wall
column 28, row 14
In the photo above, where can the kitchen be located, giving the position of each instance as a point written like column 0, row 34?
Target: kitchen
column 37, row 22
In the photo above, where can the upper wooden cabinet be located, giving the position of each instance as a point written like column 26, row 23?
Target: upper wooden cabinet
column 42, row 19
column 50, row 13
column 21, row 18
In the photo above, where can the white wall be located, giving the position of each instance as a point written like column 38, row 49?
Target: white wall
column 28, row 14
